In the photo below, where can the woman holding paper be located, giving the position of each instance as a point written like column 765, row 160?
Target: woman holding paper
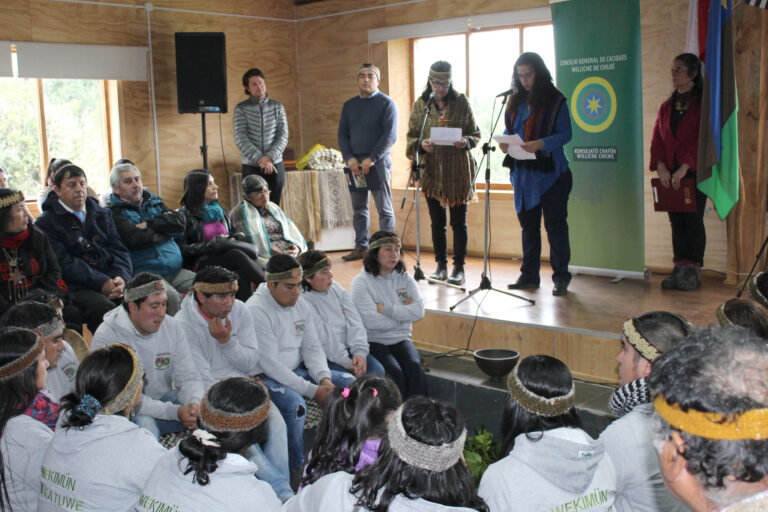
column 449, row 166
column 538, row 113
column 674, row 150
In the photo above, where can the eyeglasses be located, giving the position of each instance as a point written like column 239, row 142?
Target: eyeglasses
column 527, row 75
column 442, row 84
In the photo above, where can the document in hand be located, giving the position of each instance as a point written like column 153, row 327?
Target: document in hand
column 514, row 150
column 440, row 136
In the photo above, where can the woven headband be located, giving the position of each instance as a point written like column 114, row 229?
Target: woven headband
column 370, row 66
column 145, row 290
column 424, row 456
column 131, row 390
column 317, row 267
column 536, row 404
column 12, row 199
column 752, row 424
column 389, row 240
column 230, row 287
column 52, row 328
column 642, row 345
column 722, row 318
column 222, row 421
column 439, row 75
column 755, row 292
column 24, row 361
column 294, row 273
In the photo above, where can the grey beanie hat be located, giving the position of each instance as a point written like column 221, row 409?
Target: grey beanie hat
column 254, row 183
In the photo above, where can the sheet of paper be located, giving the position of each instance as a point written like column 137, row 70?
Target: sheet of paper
column 514, row 150
column 441, row 136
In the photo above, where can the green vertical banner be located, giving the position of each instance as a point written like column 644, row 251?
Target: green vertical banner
column 597, row 48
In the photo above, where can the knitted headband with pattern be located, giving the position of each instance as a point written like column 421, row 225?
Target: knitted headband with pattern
column 381, row 242
column 24, row 361
column 131, row 390
column 536, row 404
column 209, row 288
column 143, row 291
column 222, row 421
column 48, row 329
column 368, row 65
column 317, row 267
column 752, row 424
column 12, row 199
column 420, row 455
column 294, row 273
column 439, row 75
column 637, row 340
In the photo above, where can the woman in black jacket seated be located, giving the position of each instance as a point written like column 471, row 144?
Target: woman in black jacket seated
column 208, row 239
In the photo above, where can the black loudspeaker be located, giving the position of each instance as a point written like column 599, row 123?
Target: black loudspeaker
column 201, row 72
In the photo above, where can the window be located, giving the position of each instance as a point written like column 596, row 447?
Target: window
column 479, row 72
column 42, row 119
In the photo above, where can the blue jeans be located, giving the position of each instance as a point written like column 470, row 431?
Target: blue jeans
column 403, row 365
column 383, row 198
column 373, row 364
column 293, row 407
column 272, row 457
column 159, row 427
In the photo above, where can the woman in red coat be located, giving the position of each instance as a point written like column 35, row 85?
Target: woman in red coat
column 674, row 148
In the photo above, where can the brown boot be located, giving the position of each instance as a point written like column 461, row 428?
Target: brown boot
column 357, row 254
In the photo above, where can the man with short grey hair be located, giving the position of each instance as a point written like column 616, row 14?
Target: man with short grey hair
column 367, row 131
column 149, row 230
column 711, row 419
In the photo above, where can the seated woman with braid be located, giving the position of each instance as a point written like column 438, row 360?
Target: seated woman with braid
column 265, row 223
column 207, row 470
column 98, row 459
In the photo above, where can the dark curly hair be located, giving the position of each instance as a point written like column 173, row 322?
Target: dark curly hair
column 371, row 260
column 720, row 370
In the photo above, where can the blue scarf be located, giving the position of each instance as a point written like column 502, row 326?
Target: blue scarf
column 213, row 212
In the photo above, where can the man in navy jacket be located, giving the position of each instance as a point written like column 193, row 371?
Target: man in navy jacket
column 94, row 261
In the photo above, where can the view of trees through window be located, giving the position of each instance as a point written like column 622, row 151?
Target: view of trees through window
column 74, row 129
column 483, row 72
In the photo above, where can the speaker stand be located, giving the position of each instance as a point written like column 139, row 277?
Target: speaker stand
column 204, row 147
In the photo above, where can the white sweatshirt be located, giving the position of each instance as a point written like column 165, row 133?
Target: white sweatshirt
column 238, row 357
column 23, row 444
column 639, row 484
column 393, row 325
column 166, row 358
column 103, row 466
column 331, row 492
column 338, row 324
column 232, row 487
column 563, row 469
column 61, row 378
column 287, row 338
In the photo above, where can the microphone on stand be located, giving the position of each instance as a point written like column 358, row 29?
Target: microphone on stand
column 507, row 92
column 432, row 98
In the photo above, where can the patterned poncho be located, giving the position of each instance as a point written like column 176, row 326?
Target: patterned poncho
column 448, row 171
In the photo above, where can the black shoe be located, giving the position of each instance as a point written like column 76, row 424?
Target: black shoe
column 441, row 274
column 520, row 284
column 689, row 278
column 670, row 283
column 560, row 289
column 457, row 275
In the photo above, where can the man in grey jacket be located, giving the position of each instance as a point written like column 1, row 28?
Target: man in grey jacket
column 261, row 133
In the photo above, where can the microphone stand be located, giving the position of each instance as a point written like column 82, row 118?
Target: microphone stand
column 485, row 281
column 415, row 177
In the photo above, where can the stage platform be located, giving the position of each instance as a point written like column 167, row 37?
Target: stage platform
column 582, row 328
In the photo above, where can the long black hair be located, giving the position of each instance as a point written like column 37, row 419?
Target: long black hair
column 543, row 91
column 103, row 374
column 443, row 67
column 547, row 377
column 16, row 392
column 193, row 197
column 371, row 261
column 236, row 395
column 349, row 421
column 430, row 422
column 309, row 259
column 692, row 64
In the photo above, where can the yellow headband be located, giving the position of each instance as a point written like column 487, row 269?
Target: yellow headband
column 14, row 198
column 128, row 394
column 230, row 287
column 294, row 273
column 389, row 240
column 317, row 267
column 636, row 339
column 25, row 360
column 751, row 424
column 722, row 318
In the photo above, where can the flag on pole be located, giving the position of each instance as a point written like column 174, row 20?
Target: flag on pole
column 718, row 158
column 696, row 36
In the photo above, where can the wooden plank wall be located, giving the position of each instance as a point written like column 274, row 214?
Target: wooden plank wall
column 310, row 68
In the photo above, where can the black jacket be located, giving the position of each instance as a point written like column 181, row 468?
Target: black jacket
column 192, row 245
